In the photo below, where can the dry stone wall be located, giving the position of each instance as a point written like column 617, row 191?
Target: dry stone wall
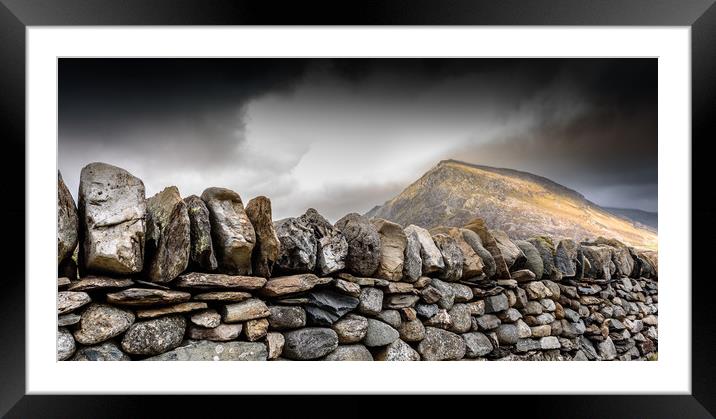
column 207, row 278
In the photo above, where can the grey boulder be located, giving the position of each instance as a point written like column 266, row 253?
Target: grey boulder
column 392, row 249
column 452, row 257
column 379, row 334
column 331, row 245
column 65, row 344
column 267, row 246
column 397, row 351
column 100, row 322
column 107, row 351
column 430, row 255
column 355, row 352
column 441, row 345
column 67, row 221
column 363, row 240
column 168, row 236
column 233, row 235
column 154, row 336
column 112, row 212
column 309, row 343
column 201, row 253
column 204, row 350
column 532, row 260
column 297, row 249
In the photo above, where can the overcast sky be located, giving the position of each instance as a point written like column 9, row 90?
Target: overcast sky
column 345, row 135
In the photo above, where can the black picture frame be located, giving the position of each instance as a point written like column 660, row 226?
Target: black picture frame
column 16, row 15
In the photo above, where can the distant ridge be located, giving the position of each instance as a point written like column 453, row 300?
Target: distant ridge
column 520, row 203
column 647, row 218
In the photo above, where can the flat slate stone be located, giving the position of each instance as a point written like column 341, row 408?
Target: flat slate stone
column 68, row 301
column 221, row 333
column 147, row 297
column 175, row 309
column 204, row 350
column 98, row 283
column 63, row 282
column 107, row 351
column 68, row 319
column 223, row 296
column 245, row 310
column 284, row 285
column 198, row 280
column 206, row 318
column 151, row 284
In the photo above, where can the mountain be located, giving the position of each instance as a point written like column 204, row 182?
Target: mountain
column 522, row 204
column 649, row 219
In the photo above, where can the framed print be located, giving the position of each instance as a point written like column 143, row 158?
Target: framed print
column 514, row 184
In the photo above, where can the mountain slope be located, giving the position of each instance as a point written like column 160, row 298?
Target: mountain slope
column 521, row 204
column 649, row 219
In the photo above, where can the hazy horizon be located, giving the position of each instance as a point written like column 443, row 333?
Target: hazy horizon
column 346, row 135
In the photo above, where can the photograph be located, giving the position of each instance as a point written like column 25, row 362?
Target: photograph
column 357, row 209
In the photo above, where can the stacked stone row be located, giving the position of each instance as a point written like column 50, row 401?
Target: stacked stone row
column 205, row 278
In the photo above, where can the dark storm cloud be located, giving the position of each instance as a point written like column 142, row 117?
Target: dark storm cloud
column 347, row 134
column 605, row 148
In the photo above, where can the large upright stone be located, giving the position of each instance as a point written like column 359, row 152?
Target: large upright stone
column 202, row 253
column 112, row 211
column 510, row 252
column 67, row 221
column 267, row 246
column 412, row 261
column 600, row 260
column 168, row 235
column 488, row 262
column 621, row 256
column 488, row 241
column 363, row 244
column 232, row 233
column 298, row 246
column 546, row 251
column 452, row 257
column 392, row 249
column 472, row 265
column 651, row 257
column 565, row 258
column 331, row 245
column 429, row 253
column 532, row 259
